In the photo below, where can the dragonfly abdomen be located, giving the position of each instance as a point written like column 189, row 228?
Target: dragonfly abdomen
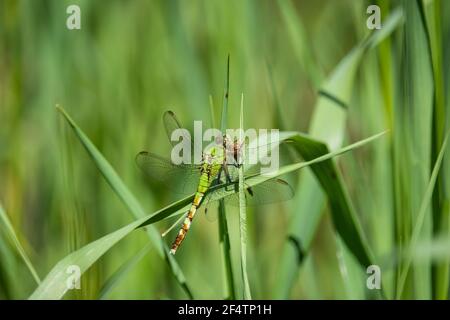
column 209, row 172
column 187, row 222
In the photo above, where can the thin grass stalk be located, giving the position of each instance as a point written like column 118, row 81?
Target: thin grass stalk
column 122, row 272
column 243, row 215
column 432, row 12
column 387, row 76
column 413, row 144
column 386, row 71
column 420, row 219
column 224, row 238
column 225, row 249
column 15, row 240
column 212, row 112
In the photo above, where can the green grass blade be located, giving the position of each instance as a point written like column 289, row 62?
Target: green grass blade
column 421, row 218
column 243, row 216
column 344, row 217
column 105, row 168
column 212, row 112
column 279, row 121
column 412, row 144
column 225, row 250
column 7, row 269
column 226, row 92
column 432, row 12
column 127, row 198
column 12, row 234
column 300, row 42
column 224, row 237
column 350, row 271
column 54, row 285
column 328, row 125
column 123, row 270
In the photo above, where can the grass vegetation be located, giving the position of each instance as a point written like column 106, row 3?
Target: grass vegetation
column 365, row 114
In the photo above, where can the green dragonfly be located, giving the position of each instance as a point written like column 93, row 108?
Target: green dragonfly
column 214, row 174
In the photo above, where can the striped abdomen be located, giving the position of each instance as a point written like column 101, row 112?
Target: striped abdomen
column 210, row 170
column 187, row 222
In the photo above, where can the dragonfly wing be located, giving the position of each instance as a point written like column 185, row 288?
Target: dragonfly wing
column 210, row 208
column 181, row 179
column 171, row 124
column 270, row 191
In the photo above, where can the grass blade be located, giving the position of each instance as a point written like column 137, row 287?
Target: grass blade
column 224, row 238
column 344, row 218
column 412, row 145
column 123, row 270
column 420, row 219
column 54, row 285
column 243, row 215
column 19, row 248
column 226, row 92
column 225, row 249
column 127, row 198
column 298, row 36
column 328, row 125
column 432, row 12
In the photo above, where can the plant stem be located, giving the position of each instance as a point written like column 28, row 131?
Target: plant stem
column 224, row 239
column 243, row 215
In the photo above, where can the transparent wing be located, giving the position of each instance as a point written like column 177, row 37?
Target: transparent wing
column 171, row 124
column 181, row 179
column 270, row 191
column 210, row 208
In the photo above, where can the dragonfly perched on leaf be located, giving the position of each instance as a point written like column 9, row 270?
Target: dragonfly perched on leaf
column 216, row 173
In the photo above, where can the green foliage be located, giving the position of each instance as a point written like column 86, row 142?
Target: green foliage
column 76, row 197
column 54, row 286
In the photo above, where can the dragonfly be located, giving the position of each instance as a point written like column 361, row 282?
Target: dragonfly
column 214, row 174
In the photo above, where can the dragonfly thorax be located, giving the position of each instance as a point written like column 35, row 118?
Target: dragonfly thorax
column 218, row 165
column 214, row 155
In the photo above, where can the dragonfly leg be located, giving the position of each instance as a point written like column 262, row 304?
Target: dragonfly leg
column 227, row 177
column 227, row 174
column 173, row 225
column 217, row 181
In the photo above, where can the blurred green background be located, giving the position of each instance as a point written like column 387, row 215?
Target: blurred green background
column 131, row 61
